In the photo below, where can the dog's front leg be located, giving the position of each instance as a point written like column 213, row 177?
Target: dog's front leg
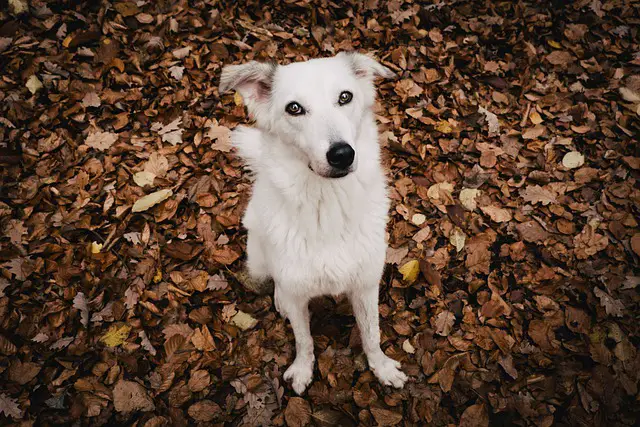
column 296, row 310
column 365, row 307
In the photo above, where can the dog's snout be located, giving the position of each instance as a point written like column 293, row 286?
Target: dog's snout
column 340, row 155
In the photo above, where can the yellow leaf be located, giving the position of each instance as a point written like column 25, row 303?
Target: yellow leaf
column 150, row 200
column 237, row 99
column 243, row 320
column 116, row 335
column 443, row 126
column 158, row 276
column 67, row 41
column 96, row 247
column 410, row 271
column 554, row 44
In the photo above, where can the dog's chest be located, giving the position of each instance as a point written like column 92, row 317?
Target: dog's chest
column 331, row 242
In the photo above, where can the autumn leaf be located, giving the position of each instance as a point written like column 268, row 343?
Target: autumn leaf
column 496, row 213
column 243, row 320
column 130, row 396
column 9, row 407
column 101, row 141
column 573, row 160
column 410, row 271
column 116, row 335
column 80, row 303
column 444, row 323
column 297, row 412
column 151, row 200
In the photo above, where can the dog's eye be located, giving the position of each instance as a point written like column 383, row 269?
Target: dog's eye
column 294, row 109
column 345, row 97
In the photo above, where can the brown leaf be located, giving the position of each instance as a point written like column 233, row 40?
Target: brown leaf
column 560, row 57
column 204, row 411
column 129, row 396
column 385, row 417
column 199, row 380
column 298, row 412
column 22, row 373
column 475, row 416
column 496, row 213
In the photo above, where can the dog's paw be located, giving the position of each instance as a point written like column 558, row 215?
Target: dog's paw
column 300, row 374
column 388, row 371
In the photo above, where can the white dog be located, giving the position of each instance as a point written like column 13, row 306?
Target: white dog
column 318, row 213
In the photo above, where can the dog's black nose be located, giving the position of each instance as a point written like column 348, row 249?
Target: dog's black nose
column 340, row 155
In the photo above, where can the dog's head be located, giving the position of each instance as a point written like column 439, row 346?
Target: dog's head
column 316, row 107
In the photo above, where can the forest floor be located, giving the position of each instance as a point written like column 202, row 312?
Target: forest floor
column 511, row 293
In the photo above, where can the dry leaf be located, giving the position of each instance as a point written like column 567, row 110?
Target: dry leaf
column 573, row 160
column 9, row 407
column 457, row 239
column 612, row 306
column 298, row 412
column 204, row 411
column 497, row 214
column 151, row 200
column 91, row 99
column 101, row 141
column 34, row 84
column 444, row 323
column 129, row 396
column 535, row 194
column 80, row 303
column 468, row 198
column 144, row 178
column 116, row 335
column 410, row 271
column 385, row 417
column 243, row 320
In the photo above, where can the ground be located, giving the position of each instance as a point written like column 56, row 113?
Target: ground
column 511, row 291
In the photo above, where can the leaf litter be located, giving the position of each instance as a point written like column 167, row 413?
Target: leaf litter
column 511, row 290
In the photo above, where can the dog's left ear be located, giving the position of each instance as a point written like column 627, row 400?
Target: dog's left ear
column 253, row 80
column 365, row 66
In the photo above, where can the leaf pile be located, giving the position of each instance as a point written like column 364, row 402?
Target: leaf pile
column 511, row 295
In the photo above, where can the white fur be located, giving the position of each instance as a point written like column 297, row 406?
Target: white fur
column 312, row 234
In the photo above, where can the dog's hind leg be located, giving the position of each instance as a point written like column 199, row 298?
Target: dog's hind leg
column 365, row 308
column 296, row 310
column 256, row 276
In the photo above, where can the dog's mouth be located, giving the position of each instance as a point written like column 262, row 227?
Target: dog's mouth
column 333, row 173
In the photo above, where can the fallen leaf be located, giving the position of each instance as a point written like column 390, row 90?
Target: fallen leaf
column 444, row 323
column 496, row 213
column 222, row 137
column 475, row 416
column 410, row 271
column 297, row 412
column 9, row 407
column 101, row 141
column 129, row 396
column 560, row 57
column 34, row 84
column 535, row 194
column 573, row 160
column 151, row 200
column 80, row 303
column 406, row 346
column 385, row 417
column 91, row 99
column 116, row 335
column 457, row 238
column 144, row 178
column 468, row 198
column 176, row 72
column 243, row 320
column 204, row 411
column 612, row 306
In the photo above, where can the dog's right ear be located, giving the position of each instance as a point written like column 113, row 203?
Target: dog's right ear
column 253, row 80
